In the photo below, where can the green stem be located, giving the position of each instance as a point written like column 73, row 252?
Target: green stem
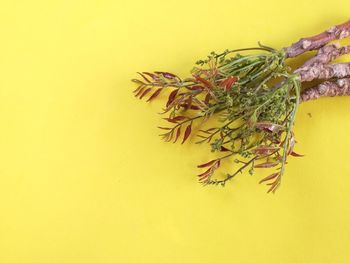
column 296, row 83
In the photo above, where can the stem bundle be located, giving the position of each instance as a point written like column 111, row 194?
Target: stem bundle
column 255, row 96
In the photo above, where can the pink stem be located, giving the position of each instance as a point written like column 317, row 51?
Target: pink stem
column 318, row 41
column 325, row 71
column 339, row 87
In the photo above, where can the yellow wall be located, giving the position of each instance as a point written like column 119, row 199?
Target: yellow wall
column 84, row 176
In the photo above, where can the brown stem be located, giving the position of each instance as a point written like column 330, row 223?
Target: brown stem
column 325, row 55
column 339, row 87
column 324, row 71
column 318, row 41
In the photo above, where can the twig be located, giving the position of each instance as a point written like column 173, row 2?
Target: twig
column 318, row 41
column 339, row 87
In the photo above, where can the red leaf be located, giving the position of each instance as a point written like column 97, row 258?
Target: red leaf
column 207, row 164
column 179, row 118
column 143, row 76
column 164, row 128
column 137, row 89
column 224, row 149
column 151, row 75
column 194, row 107
column 296, row 154
column 228, row 82
column 204, row 82
column 279, row 158
column 272, row 188
column 169, row 120
column 271, row 176
column 196, row 88
column 188, row 103
column 210, row 171
column 207, row 98
column 187, row 133
column 166, row 74
column 265, row 165
column 139, row 92
column 205, row 174
column 178, row 132
column 145, row 92
column 170, row 136
column 217, row 165
column 176, row 119
column 172, row 96
column 268, row 126
column 261, row 150
column 138, row 81
column 155, row 94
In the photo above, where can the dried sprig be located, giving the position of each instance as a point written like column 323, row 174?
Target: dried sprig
column 255, row 96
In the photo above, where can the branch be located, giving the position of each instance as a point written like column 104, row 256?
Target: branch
column 340, row 87
column 326, row 55
column 322, row 71
column 318, row 41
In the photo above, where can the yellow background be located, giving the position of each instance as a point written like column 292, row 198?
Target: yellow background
column 84, row 176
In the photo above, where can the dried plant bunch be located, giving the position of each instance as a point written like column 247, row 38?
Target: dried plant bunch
column 255, row 96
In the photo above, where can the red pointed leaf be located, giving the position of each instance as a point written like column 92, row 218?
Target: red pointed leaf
column 266, row 165
column 207, row 98
column 207, row 164
column 279, row 158
column 179, row 118
column 196, row 88
column 170, row 137
column 261, row 150
column 172, row 96
column 138, row 81
column 139, row 92
column 188, row 103
column 187, row 133
column 228, row 82
column 205, row 82
column 154, row 77
column 176, row 119
column 166, row 74
column 224, row 149
column 216, row 165
column 296, row 154
column 145, row 92
column 205, row 174
column 155, row 94
column 169, row 120
column 143, row 76
column 272, row 188
column 268, row 126
column 178, row 132
column 194, row 107
column 270, row 177
column 137, row 89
